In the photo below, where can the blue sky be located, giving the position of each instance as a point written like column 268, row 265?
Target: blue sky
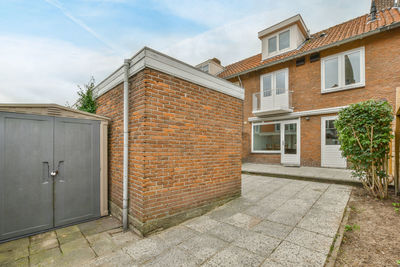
column 47, row 47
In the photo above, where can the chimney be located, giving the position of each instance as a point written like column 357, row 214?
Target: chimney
column 383, row 4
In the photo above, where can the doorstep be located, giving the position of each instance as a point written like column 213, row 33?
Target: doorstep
column 324, row 175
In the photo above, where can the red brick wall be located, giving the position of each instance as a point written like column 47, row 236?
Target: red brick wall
column 382, row 56
column 185, row 145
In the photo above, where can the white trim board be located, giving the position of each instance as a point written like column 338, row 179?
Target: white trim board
column 298, row 114
column 153, row 59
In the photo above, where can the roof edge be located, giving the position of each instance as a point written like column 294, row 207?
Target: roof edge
column 345, row 41
column 150, row 58
column 285, row 23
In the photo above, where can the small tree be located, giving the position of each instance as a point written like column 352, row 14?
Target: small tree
column 87, row 101
column 365, row 133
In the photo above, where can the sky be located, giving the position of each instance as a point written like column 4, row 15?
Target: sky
column 49, row 47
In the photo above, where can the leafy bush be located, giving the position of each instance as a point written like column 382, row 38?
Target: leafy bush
column 87, row 101
column 365, row 133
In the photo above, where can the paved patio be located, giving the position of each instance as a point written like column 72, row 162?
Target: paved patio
column 277, row 222
column 330, row 175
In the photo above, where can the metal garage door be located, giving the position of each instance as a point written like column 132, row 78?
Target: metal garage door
column 34, row 147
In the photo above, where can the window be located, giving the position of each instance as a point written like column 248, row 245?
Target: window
column 267, row 138
column 331, row 137
column 267, row 85
column 343, row 71
column 284, row 40
column 271, row 45
column 279, row 42
column 275, row 83
column 204, row 68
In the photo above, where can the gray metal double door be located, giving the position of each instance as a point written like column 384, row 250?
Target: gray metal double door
column 34, row 147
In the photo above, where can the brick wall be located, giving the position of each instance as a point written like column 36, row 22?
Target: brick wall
column 382, row 56
column 185, row 146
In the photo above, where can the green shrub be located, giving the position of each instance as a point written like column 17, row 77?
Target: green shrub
column 87, row 101
column 365, row 132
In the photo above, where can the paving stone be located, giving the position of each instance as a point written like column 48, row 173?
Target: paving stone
column 270, row 263
column 14, row 250
column 273, row 229
column 102, row 243
column 122, row 238
column 46, row 257
column 203, row 246
column 234, row 256
column 72, row 246
column 202, row 224
column 176, row 235
column 174, row 257
column 288, row 254
column 310, row 240
column 116, row 259
column 100, row 225
column 290, row 218
column 257, row 243
column 235, row 206
column 259, row 211
column 67, row 230
column 145, row 249
column 243, row 220
column 43, row 245
column 69, row 234
column 321, row 221
column 227, row 232
column 43, row 237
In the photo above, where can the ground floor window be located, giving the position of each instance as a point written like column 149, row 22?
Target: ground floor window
column 267, row 137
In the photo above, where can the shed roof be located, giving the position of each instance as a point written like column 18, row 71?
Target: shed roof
column 50, row 110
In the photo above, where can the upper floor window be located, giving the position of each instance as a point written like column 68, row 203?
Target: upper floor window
column 343, row 71
column 204, row 68
column 275, row 83
column 279, row 42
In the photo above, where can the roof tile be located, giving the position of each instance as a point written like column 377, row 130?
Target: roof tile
column 340, row 32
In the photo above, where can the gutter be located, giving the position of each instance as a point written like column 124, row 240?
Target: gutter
column 126, row 146
column 345, row 41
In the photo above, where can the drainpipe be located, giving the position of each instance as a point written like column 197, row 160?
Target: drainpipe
column 125, row 161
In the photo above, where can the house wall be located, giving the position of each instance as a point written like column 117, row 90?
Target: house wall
column 185, row 149
column 382, row 57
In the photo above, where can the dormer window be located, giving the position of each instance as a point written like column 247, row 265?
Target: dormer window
column 283, row 37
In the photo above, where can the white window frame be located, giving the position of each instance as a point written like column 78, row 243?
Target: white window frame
column 273, row 78
column 277, row 51
column 341, row 71
column 265, row 151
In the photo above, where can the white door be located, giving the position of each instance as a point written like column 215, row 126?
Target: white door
column 290, row 140
column 331, row 155
column 266, row 93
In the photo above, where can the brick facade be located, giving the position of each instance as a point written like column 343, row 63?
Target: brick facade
column 382, row 64
column 184, row 148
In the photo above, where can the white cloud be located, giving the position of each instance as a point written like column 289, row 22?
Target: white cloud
column 43, row 70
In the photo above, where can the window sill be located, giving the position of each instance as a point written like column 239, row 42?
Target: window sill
column 338, row 89
column 267, row 152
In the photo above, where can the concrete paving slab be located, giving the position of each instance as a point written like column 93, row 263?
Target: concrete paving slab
column 273, row 229
column 98, row 226
column 242, row 220
column 321, row 221
column 257, row 243
column 227, row 232
column 174, row 257
column 116, row 259
column 176, row 235
column 46, row 257
column 234, row 256
column 202, row 224
column 203, row 247
column 288, row 254
column 310, row 240
column 145, row 249
column 43, row 245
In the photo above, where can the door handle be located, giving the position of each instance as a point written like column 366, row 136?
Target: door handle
column 54, row 173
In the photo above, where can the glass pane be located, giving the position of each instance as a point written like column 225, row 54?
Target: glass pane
column 291, row 138
column 331, row 137
column 267, row 137
column 271, row 44
column 280, row 83
column 331, row 73
column 267, row 85
column 352, row 68
column 284, row 40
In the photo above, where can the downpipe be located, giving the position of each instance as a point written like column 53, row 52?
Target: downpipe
column 125, row 197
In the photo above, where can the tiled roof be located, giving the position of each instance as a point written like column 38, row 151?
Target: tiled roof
column 337, row 33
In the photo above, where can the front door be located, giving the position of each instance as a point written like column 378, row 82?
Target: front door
column 290, row 140
column 331, row 155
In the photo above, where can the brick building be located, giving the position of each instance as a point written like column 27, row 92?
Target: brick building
column 297, row 84
column 184, row 140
